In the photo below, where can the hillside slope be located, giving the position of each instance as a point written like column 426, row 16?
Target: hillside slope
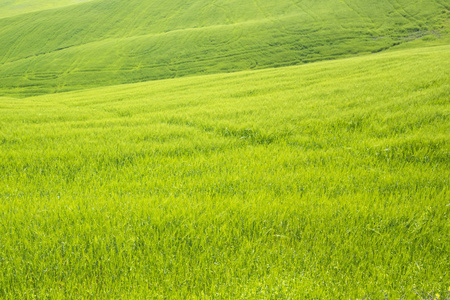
column 322, row 181
column 9, row 8
column 104, row 42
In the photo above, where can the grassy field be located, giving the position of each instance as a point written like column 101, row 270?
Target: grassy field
column 9, row 8
column 327, row 181
column 103, row 42
column 266, row 149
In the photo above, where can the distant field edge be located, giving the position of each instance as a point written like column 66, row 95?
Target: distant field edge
column 13, row 9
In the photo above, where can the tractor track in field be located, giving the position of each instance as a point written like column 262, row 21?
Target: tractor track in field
column 400, row 10
column 306, row 11
column 364, row 18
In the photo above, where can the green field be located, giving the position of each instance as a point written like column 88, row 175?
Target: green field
column 9, row 8
column 327, row 180
column 303, row 152
column 104, row 42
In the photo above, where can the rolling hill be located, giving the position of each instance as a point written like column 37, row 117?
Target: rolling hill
column 102, row 42
column 224, row 149
column 9, row 8
column 321, row 181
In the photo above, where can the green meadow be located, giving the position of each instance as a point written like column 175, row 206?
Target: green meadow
column 9, row 8
column 224, row 149
column 328, row 180
column 103, row 42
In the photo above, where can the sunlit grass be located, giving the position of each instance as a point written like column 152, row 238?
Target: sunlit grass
column 328, row 180
column 103, row 42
